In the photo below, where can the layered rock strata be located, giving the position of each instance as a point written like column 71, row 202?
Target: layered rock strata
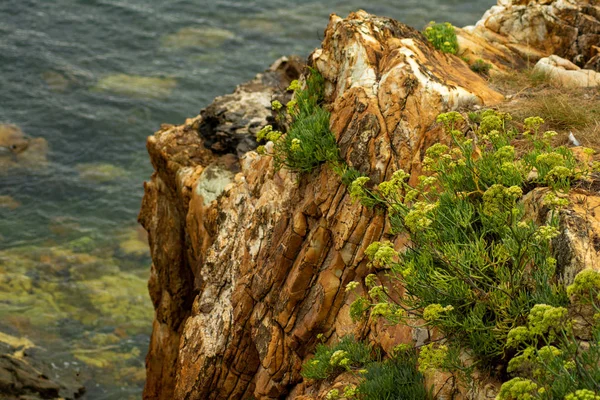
column 517, row 33
column 249, row 263
column 242, row 285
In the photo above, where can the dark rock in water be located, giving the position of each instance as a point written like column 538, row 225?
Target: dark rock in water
column 24, row 378
column 230, row 123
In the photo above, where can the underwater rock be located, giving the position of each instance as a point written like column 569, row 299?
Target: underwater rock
column 100, row 172
column 264, row 25
column 566, row 73
column 135, row 86
column 56, row 81
column 134, row 242
column 9, row 202
column 202, row 37
column 19, row 151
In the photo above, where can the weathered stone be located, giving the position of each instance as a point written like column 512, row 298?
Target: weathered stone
column 22, row 377
column 243, row 280
column 516, row 33
column 230, row 123
column 578, row 246
column 246, row 282
column 566, row 73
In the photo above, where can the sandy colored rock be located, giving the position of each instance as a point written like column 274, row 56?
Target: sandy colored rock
column 517, row 33
column 143, row 87
column 202, row 37
column 242, row 285
column 19, row 151
column 100, row 172
column 567, row 74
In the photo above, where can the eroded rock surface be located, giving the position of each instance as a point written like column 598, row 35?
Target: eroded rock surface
column 242, row 285
column 566, row 73
column 515, row 33
column 22, row 377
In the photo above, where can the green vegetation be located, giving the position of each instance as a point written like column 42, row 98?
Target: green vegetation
column 395, row 378
column 550, row 363
column 481, row 67
column 477, row 265
column 442, row 37
column 308, row 142
column 347, row 355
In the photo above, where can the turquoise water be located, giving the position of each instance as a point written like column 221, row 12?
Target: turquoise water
column 71, row 250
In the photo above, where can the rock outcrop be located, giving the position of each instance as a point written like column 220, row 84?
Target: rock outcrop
column 242, row 285
column 21, row 377
column 516, row 33
column 249, row 263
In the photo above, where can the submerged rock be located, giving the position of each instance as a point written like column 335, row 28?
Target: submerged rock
column 19, row 151
column 143, row 87
column 202, row 37
column 56, row 81
column 100, row 172
column 9, row 202
column 134, row 242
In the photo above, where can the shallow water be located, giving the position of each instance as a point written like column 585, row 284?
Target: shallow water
column 94, row 78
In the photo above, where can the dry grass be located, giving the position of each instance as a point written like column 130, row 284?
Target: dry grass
column 565, row 110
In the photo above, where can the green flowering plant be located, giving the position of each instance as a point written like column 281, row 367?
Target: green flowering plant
column 308, row 141
column 550, row 361
column 394, row 378
column 329, row 361
column 442, row 37
column 477, row 264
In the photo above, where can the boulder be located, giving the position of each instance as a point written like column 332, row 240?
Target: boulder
column 567, row 74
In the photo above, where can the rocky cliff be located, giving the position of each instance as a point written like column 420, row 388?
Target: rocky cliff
column 249, row 263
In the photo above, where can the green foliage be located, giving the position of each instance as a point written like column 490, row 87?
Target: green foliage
column 550, row 363
column 394, row 379
column 476, row 265
column 347, row 355
column 308, row 142
column 442, row 37
column 481, row 67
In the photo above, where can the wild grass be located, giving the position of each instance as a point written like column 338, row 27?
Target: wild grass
column 396, row 378
column 564, row 110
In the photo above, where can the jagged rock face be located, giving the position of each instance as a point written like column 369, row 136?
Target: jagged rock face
column 230, row 123
column 387, row 85
column 242, row 285
column 526, row 30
